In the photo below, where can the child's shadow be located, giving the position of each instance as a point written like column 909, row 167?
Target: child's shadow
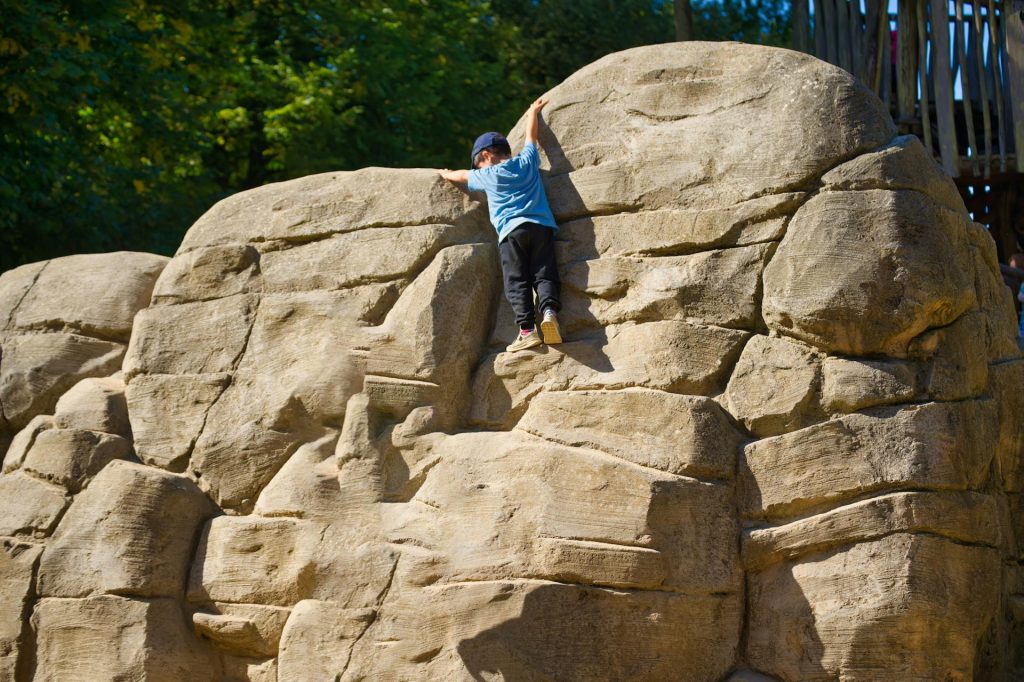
column 584, row 334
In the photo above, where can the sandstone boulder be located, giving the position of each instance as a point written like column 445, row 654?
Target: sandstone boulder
column 110, row 638
column 131, row 532
column 64, row 320
column 774, row 387
column 910, row 606
column 781, row 442
column 95, row 405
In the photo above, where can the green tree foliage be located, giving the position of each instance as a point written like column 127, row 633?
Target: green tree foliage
column 121, row 121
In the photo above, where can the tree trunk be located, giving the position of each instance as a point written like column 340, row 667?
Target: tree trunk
column 684, row 20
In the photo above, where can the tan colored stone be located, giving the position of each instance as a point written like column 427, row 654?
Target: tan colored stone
column 70, row 458
column 307, row 485
column 774, row 387
column 113, row 638
column 256, row 561
column 94, row 295
column 505, row 628
column 23, row 441
column 956, row 370
column 39, row 368
column 505, row 503
column 715, row 287
column 436, row 329
column 670, row 356
column 677, row 231
column 852, row 384
column 17, row 568
column 131, row 532
column 249, row 433
column 386, row 254
column 318, row 639
column 904, row 163
column 862, row 273
column 665, row 102
column 14, row 286
column 685, row 435
column 966, row 517
column 29, row 506
column 994, row 297
column 1007, row 386
column 191, row 338
column 168, row 412
column 244, row 629
column 95, row 405
column 932, row 446
column 206, row 273
column 318, row 206
column 887, row 605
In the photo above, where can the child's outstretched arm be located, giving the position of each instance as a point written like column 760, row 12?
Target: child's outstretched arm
column 459, row 177
column 531, row 121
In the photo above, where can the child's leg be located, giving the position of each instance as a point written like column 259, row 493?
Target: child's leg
column 515, row 270
column 543, row 268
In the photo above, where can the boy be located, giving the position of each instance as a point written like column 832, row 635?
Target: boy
column 526, row 228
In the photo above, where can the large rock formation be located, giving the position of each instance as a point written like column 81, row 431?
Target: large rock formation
column 783, row 440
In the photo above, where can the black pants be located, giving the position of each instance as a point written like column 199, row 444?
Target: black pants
column 528, row 263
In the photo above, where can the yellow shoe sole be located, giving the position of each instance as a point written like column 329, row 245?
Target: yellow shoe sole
column 550, row 331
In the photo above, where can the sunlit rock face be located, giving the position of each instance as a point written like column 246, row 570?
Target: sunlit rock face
column 782, row 441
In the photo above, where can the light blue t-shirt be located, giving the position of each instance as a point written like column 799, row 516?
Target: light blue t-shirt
column 515, row 194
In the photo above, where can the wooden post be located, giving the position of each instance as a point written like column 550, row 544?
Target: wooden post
column 872, row 43
column 979, row 58
column 922, row 58
column 684, row 20
column 857, row 39
column 997, row 77
column 801, row 26
column 831, row 49
column 965, row 85
column 820, row 51
column 886, row 59
column 944, row 87
column 1013, row 17
column 906, row 62
column 843, row 34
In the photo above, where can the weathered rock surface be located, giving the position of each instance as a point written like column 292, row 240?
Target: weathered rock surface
column 63, row 320
column 130, row 533
column 784, row 439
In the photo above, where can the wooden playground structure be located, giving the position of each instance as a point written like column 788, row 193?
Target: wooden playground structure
column 952, row 72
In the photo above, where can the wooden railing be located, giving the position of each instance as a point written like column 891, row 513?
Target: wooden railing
column 951, row 70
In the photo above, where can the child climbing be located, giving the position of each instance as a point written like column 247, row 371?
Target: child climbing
column 526, row 228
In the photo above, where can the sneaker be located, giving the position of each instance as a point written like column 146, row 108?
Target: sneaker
column 526, row 340
column 549, row 328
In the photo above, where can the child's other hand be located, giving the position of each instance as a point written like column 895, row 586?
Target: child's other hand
column 538, row 104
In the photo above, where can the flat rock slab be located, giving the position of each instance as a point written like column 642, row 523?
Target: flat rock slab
column 966, row 517
column 685, row 435
column 931, row 446
column 672, row 356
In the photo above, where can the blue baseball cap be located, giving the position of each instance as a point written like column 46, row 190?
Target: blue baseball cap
column 488, row 140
